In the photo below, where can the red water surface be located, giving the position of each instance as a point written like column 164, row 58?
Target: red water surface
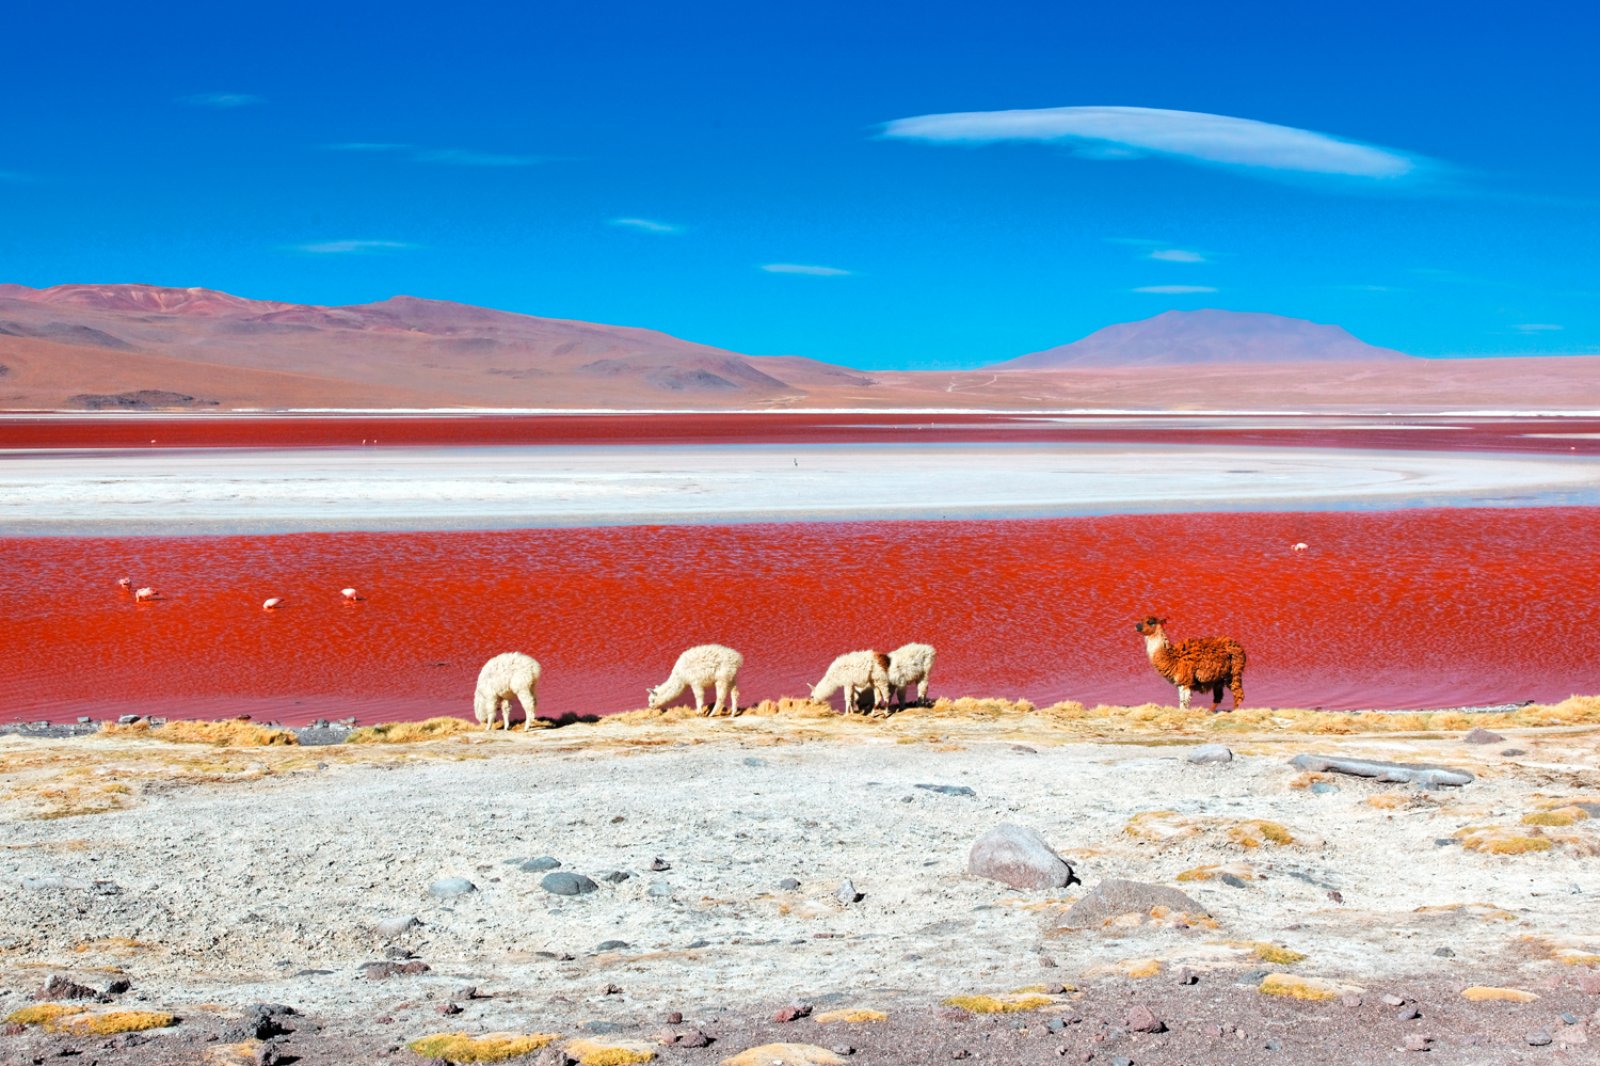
column 260, row 431
column 1402, row 609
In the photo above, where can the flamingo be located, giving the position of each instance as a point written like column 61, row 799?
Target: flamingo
column 272, row 604
column 125, row 583
column 146, row 593
column 1300, row 547
column 350, row 595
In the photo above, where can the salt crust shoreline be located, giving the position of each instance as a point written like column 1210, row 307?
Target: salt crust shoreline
column 238, row 872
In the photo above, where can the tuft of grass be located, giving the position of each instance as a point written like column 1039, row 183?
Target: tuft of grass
column 233, row 733
column 1010, row 1004
column 1498, row 840
column 411, row 732
column 1388, row 801
column 1141, row 968
column 1308, row 988
column 1490, row 994
column 1277, row 955
column 45, row 1014
column 595, row 1053
column 118, row 1021
column 852, row 1014
column 1254, row 833
column 495, row 1047
column 1560, row 816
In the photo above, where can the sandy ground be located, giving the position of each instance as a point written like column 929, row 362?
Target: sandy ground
column 269, row 491
column 217, row 878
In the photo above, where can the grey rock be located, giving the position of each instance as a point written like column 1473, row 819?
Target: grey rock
column 847, row 893
column 612, row 945
column 393, row 927
column 1445, row 953
column 754, row 760
column 538, row 864
column 1115, row 896
column 1394, row 772
column 1483, row 736
column 1512, row 753
column 659, row 889
column 1209, row 753
column 1017, row 856
column 1418, row 1042
column 949, row 790
column 1324, row 788
column 60, row 987
column 615, row 877
column 53, row 883
column 1142, row 1019
column 553, row 1056
column 84, row 719
column 660, row 865
column 1568, row 1018
column 1233, row 881
column 1407, row 1014
column 789, row 884
column 128, row 719
column 451, row 887
column 1539, row 1038
column 565, row 883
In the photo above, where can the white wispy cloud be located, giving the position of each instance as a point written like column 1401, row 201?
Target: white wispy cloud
column 1176, row 255
column 805, row 268
column 1192, row 136
column 221, row 101
column 1537, row 327
column 1174, row 290
column 645, row 225
column 352, row 247
column 368, row 146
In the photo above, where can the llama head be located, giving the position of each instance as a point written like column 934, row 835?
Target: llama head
column 652, row 700
column 1151, row 626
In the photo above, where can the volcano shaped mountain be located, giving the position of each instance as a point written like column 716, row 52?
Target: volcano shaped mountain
column 1206, row 338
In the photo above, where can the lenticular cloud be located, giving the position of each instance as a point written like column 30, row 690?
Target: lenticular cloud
column 1221, row 140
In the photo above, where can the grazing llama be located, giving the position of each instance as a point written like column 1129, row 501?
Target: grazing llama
column 910, row 664
column 701, row 666
column 1202, row 662
column 857, row 672
column 504, row 676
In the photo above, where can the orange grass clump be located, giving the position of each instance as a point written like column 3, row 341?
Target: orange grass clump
column 411, row 732
column 233, row 733
column 495, row 1047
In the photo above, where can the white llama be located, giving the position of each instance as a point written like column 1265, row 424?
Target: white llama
column 856, row 672
column 505, row 676
column 910, row 664
column 696, row 668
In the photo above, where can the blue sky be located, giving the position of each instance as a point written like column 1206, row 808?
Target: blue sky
column 840, row 181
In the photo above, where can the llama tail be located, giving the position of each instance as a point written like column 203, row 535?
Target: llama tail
column 1237, row 671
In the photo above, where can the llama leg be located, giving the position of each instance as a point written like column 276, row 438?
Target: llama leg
column 733, row 697
column 922, row 690
column 529, row 707
column 1183, row 697
column 722, row 696
column 1238, row 692
column 1216, row 697
column 699, row 697
column 850, row 698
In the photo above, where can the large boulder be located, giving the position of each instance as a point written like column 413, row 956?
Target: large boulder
column 1115, row 897
column 1424, row 774
column 1019, row 857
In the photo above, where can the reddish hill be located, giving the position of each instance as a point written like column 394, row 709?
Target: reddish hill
column 1207, row 337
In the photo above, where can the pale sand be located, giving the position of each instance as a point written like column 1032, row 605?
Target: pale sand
column 198, row 490
column 240, row 868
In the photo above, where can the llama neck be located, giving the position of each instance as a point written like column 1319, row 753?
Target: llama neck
column 668, row 688
column 1155, row 645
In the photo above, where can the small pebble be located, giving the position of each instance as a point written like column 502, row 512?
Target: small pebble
column 1444, row 953
column 1393, row 1000
column 675, row 1018
column 1538, row 1038
column 789, row 884
column 1416, row 1042
column 449, row 1008
column 1407, row 1014
column 845, row 1050
column 1569, row 1017
column 659, row 864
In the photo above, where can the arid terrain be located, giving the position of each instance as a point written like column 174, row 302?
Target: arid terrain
column 1330, row 914
column 142, row 347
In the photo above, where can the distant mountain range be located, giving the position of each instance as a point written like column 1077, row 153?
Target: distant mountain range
column 1206, row 338
column 143, row 347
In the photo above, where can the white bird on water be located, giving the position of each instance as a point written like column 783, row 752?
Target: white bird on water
column 146, row 593
column 350, row 595
column 1300, row 547
column 272, row 604
column 125, row 583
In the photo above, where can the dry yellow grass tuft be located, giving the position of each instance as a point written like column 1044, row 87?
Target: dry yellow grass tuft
column 1500, row 840
column 785, row 1055
column 1559, row 816
column 1277, row 954
column 1002, row 1004
column 117, row 1021
column 1160, row 827
column 852, row 1014
column 411, row 732
column 232, row 733
column 495, row 1047
column 595, row 1053
column 1308, row 988
column 1256, row 832
column 1490, row 994
column 1388, row 801
column 45, row 1014
column 1242, row 870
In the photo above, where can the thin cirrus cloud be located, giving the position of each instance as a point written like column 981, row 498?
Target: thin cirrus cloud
column 1174, row 290
column 352, row 247
column 455, row 157
column 807, row 269
column 1176, row 255
column 1263, row 149
column 1537, row 327
column 221, row 101
column 646, row 225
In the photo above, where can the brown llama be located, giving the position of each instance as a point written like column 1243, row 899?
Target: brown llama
column 1199, row 663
